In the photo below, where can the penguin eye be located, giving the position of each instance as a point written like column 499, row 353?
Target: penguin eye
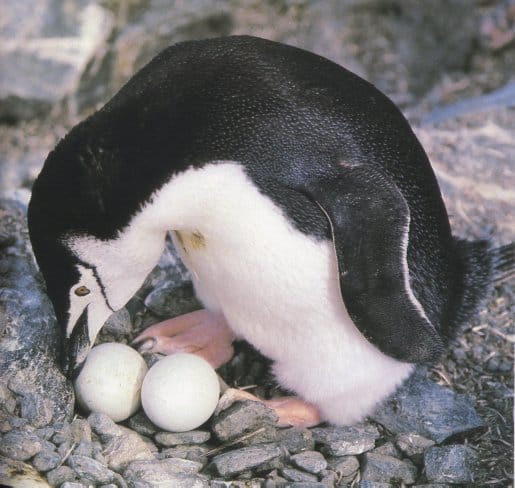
column 82, row 291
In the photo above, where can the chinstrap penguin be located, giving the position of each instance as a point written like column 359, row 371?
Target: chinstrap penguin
column 301, row 202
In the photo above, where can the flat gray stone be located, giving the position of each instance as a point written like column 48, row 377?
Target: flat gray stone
column 122, row 450
column 239, row 460
column 345, row 466
column 90, row 469
column 62, row 432
column 413, row 445
column 46, row 460
column 296, row 439
column 297, row 475
column 20, row 445
column 381, row 468
column 192, row 452
column 388, row 449
column 450, row 464
column 83, row 448
column 374, row 484
column 243, row 418
column 170, row 300
column 103, row 426
column 310, row 461
column 60, row 475
column 178, row 473
column 117, row 326
column 450, row 414
column 169, row 439
column 37, row 409
column 344, row 441
column 80, row 430
column 142, row 424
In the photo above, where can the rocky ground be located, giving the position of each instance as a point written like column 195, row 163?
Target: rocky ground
column 450, row 425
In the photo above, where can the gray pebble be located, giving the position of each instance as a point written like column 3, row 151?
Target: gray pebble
column 176, row 472
column 239, row 460
column 388, row 449
column 193, row 453
column 7, row 399
column 65, row 448
column 20, row 445
column 373, row 484
column 84, row 448
column 103, row 426
column 381, row 468
column 80, row 430
column 46, row 460
column 45, row 433
column 170, row 300
column 328, row 477
column 142, row 424
column 121, row 450
column 97, row 452
column 90, row 469
column 252, row 483
column 296, row 439
column 413, row 445
column 297, row 475
column 345, row 466
column 37, row 409
column 342, row 441
column 74, row 484
column 406, row 411
column 62, row 432
column 168, row 439
column 450, row 464
column 310, row 461
column 118, row 324
column 11, row 422
column 245, row 417
column 60, row 475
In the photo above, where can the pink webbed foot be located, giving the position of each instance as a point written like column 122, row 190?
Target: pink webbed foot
column 291, row 411
column 203, row 333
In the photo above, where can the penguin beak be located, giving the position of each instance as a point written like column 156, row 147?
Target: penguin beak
column 76, row 347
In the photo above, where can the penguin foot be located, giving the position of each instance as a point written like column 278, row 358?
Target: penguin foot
column 291, row 411
column 203, row 333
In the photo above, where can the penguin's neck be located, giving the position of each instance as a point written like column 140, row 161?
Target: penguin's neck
column 199, row 202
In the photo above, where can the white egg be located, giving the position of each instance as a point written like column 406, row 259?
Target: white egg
column 180, row 392
column 110, row 381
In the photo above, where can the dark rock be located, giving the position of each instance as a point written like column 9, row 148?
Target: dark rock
column 7, row 399
column 80, row 430
column 90, row 469
column 297, row 475
column 169, row 300
column 239, row 460
column 45, row 433
column 103, row 426
column 328, row 477
column 121, row 450
column 30, row 335
column 345, row 466
column 75, row 484
column 251, row 483
column 450, row 414
column 20, row 445
column 193, row 452
column 388, row 449
column 44, row 61
column 244, row 418
column 296, row 439
column 176, row 472
column 413, row 445
column 62, row 432
column 310, row 461
column 374, row 484
column 84, row 448
column 142, row 424
column 342, row 441
column 381, row 468
column 175, row 438
column 11, row 422
column 450, row 464
column 46, row 460
column 60, row 475
column 117, row 327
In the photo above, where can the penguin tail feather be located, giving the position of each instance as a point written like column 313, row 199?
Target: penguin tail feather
column 483, row 267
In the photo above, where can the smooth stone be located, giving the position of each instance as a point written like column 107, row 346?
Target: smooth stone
column 381, row 468
column 373, row 484
column 407, row 411
column 90, row 469
column 46, row 460
column 62, row 432
column 450, row 464
column 84, row 448
column 142, row 424
column 310, row 461
column 121, row 450
column 166, row 472
column 20, row 445
column 297, row 475
column 170, row 300
column 239, row 460
column 169, row 439
column 296, row 439
column 192, row 452
column 243, row 418
column 60, row 475
column 345, row 466
column 103, row 425
column 36, row 409
column 343, row 441
column 388, row 449
column 413, row 445
column 80, row 429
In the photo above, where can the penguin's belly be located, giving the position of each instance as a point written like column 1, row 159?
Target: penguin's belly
column 278, row 289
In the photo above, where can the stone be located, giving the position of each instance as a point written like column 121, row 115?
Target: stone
column 244, row 418
column 170, row 300
column 344, row 441
column 36, row 409
column 118, row 326
column 296, row 439
column 297, row 475
column 84, row 448
column 121, row 450
column 450, row 464
column 43, row 62
column 407, row 411
column 11, row 422
column 374, row 484
column 20, row 445
column 239, row 460
column 178, row 473
column 168, row 439
column 62, row 432
column 60, row 475
column 381, row 468
column 388, row 449
column 192, row 452
column 345, row 466
column 7, row 399
column 90, row 469
column 413, row 445
column 80, row 430
column 46, row 460
column 329, row 478
column 45, row 433
column 103, row 426
column 142, row 424
column 31, row 338
column 310, row 461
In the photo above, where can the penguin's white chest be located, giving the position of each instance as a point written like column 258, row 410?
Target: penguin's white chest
column 278, row 289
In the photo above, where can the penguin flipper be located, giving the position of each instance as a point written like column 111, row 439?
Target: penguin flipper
column 369, row 219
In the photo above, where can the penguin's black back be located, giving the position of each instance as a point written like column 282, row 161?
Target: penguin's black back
column 287, row 115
